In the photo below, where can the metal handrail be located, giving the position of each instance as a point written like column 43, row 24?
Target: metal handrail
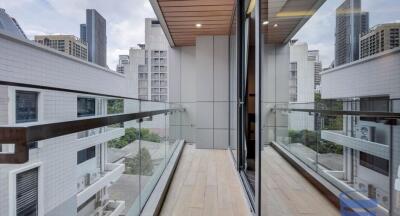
column 392, row 115
column 21, row 136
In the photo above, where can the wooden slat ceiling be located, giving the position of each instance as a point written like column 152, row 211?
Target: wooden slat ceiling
column 289, row 15
column 181, row 17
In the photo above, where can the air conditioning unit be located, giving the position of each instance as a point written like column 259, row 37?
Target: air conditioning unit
column 366, row 132
column 81, row 184
column 93, row 177
column 372, row 191
column 382, row 197
column 87, row 179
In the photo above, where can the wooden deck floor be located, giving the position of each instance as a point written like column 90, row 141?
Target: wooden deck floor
column 285, row 192
column 205, row 183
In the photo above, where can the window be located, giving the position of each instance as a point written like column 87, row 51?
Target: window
column 27, row 187
column 86, row 154
column 86, row 107
column 372, row 162
column 26, row 106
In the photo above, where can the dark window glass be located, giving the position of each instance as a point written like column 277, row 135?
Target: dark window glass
column 26, row 107
column 377, row 164
column 33, row 145
column 86, row 107
column 375, row 104
column 86, row 154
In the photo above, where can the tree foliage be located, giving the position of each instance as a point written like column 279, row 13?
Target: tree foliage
column 140, row 164
column 132, row 134
column 312, row 140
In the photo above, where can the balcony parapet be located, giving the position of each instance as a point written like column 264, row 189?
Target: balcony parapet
column 373, row 148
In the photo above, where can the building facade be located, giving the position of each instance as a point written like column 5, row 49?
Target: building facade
column 150, row 63
column 350, row 23
column 67, row 175
column 123, row 64
column 82, row 30
column 68, row 44
column 10, row 25
column 96, row 37
column 380, row 38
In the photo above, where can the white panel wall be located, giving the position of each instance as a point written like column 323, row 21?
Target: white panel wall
column 199, row 78
column 212, row 83
column 24, row 61
column 375, row 75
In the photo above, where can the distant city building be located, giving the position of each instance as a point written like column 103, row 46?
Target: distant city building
column 123, row 64
column 96, row 37
column 83, row 32
column 150, row 63
column 10, row 25
column 350, row 23
column 68, row 44
column 313, row 55
column 380, row 38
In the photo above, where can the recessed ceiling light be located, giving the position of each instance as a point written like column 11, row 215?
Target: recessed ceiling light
column 198, row 25
column 275, row 25
column 266, row 22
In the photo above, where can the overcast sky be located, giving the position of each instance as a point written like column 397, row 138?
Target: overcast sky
column 319, row 31
column 125, row 20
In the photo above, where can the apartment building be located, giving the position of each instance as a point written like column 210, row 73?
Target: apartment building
column 68, row 44
column 150, row 63
column 66, row 175
column 380, row 38
column 350, row 23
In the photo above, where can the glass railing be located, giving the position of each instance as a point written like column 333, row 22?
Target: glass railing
column 350, row 143
column 105, row 163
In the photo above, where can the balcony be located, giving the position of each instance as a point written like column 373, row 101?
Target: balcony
column 111, row 174
column 112, row 208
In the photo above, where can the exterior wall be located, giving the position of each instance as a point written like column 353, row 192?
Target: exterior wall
column 183, row 75
column 212, row 90
column 201, row 85
column 275, row 82
column 26, row 62
column 372, row 76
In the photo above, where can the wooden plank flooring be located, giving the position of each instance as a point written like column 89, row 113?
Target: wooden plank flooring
column 205, row 183
column 285, row 192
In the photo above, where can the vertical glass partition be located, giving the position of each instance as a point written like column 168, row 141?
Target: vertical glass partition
column 329, row 92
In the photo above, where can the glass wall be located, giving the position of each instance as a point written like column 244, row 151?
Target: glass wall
column 107, row 170
column 233, row 93
column 329, row 99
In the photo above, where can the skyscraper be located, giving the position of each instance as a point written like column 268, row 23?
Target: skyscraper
column 96, row 37
column 68, row 44
column 83, row 32
column 10, row 25
column 350, row 23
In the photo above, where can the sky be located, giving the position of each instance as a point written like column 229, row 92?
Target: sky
column 319, row 31
column 125, row 20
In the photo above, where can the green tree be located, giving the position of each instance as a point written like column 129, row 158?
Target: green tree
column 115, row 106
column 140, row 164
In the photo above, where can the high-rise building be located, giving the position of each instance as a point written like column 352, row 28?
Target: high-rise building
column 10, row 25
column 123, row 64
column 380, row 38
column 313, row 55
column 68, row 44
column 150, row 63
column 83, row 32
column 350, row 23
column 96, row 37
